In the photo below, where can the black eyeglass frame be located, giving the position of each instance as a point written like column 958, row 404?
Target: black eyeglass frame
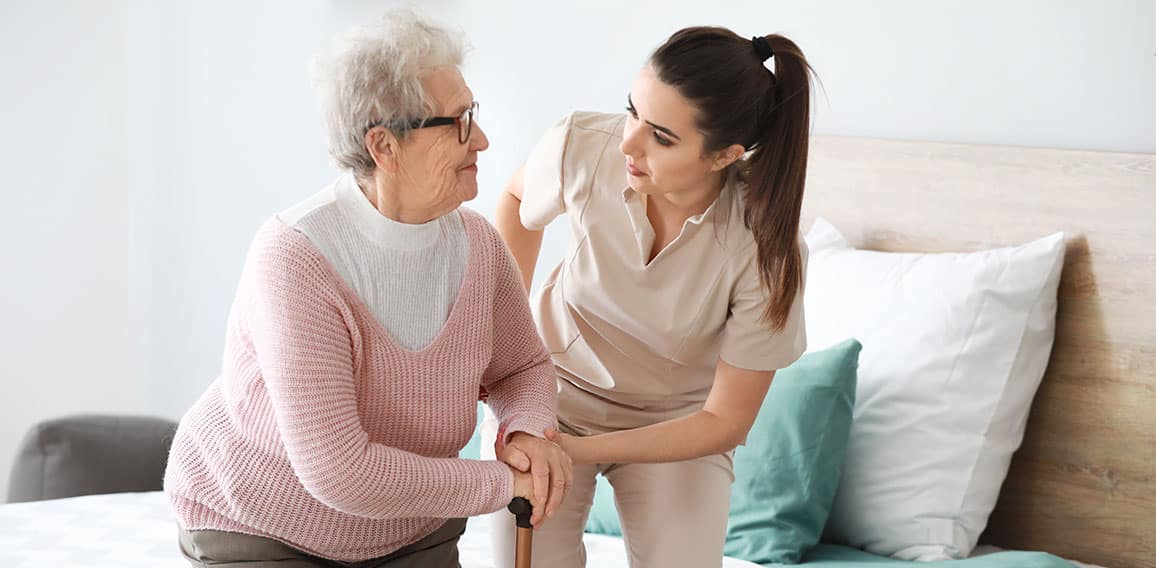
column 465, row 122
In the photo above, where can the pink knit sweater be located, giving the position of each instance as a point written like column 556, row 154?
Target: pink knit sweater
column 323, row 433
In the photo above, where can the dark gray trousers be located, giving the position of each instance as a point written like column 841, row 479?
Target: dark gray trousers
column 218, row 549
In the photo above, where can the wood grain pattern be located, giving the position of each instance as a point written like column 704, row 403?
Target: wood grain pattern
column 1083, row 484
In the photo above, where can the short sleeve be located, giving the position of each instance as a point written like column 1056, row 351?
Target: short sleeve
column 543, row 188
column 748, row 342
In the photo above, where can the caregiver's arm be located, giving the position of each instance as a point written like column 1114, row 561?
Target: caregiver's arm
column 523, row 243
column 720, row 426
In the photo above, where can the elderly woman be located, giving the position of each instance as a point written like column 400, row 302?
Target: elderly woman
column 368, row 319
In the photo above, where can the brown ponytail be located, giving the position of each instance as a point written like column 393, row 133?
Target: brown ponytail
column 740, row 101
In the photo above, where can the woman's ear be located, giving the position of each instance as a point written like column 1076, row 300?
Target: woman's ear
column 726, row 157
column 383, row 147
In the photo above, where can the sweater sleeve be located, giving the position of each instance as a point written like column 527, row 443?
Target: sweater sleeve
column 300, row 333
column 520, row 381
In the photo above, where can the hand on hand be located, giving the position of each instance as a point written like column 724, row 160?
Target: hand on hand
column 542, row 471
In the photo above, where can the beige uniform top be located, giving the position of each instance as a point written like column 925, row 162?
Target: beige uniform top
column 636, row 343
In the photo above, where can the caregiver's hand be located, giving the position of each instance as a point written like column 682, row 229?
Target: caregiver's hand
column 549, row 468
column 572, row 445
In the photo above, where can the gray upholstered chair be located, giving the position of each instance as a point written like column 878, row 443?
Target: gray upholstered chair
column 86, row 455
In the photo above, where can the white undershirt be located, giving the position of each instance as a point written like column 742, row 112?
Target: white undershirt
column 407, row 275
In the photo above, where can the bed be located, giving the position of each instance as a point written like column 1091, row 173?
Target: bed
column 1083, row 484
column 130, row 530
column 127, row 530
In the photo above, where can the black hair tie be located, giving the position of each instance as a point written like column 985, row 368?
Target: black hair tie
column 763, row 48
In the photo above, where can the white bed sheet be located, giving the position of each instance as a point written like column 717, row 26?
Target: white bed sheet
column 137, row 530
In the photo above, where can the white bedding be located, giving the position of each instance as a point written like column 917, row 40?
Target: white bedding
column 137, row 530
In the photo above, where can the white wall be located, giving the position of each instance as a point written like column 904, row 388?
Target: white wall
column 188, row 123
column 66, row 271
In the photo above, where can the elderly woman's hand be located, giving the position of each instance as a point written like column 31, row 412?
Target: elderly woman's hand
column 549, row 468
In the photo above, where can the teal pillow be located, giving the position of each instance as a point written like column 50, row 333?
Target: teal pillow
column 787, row 472
column 473, row 449
column 604, row 514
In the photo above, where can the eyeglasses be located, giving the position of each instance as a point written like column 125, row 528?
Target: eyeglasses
column 465, row 122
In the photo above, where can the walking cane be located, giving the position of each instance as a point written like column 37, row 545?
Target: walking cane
column 522, row 510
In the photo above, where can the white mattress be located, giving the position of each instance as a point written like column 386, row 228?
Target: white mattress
column 131, row 530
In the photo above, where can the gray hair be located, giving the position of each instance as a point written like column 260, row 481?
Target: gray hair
column 373, row 76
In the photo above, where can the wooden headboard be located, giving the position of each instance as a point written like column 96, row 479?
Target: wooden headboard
column 1083, row 484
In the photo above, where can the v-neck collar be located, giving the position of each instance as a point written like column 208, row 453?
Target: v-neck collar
column 635, row 204
column 441, row 341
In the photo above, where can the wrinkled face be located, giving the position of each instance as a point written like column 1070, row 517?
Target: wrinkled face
column 663, row 147
column 436, row 172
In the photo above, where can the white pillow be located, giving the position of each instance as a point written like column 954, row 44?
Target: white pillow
column 954, row 347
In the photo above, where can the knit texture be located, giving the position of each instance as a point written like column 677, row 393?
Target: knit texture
column 407, row 275
column 325, row 434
